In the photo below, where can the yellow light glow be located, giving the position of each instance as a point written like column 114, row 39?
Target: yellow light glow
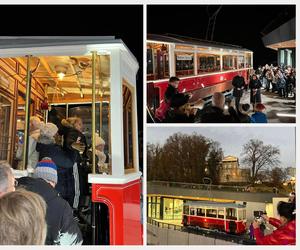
column 61, row 76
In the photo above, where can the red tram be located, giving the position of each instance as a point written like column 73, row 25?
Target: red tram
column 204, row 67
column 228, row 217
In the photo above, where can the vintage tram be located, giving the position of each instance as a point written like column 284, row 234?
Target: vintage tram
column 226, row 217
column 204, row 67
column 93, row 78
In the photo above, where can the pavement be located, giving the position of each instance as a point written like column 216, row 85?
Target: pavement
column 274, row 105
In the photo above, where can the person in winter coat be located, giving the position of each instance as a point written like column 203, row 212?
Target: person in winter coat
column 238, row 83
column 74, row 143
column 34, row 134
column 244, row 111
column 47, row 147
column 259, row 116
column 62, row 228
column 285, row 234
column 255, row 95
column 251, row 231
column 176, row 100
column 215, row 112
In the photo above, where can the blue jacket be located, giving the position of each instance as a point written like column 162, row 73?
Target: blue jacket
column 259, row 117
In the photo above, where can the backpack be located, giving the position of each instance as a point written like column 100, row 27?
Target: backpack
column 160, row 113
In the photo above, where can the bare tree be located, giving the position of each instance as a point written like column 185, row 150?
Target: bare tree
column 214, row 161
column 278, row 176
column 259, row 157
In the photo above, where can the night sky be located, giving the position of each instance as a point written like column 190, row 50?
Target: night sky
column 235, row 24
column 124, row 22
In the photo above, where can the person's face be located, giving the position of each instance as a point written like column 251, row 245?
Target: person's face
column 11, row 184
column 175, row 84
column 79, row 125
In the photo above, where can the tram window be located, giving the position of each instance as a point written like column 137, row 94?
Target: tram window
column 221, row 213
column 242, row 214
column 208, row 63
column 185, row 209
column 229, row 62
column 248, row 60
column 240, row 62
column 192, row 211
column 128, row 128
column 5, row 118
column 231, row 213
column 200, row 211
column 211, row 213
column 157, row 61
column 184, row 64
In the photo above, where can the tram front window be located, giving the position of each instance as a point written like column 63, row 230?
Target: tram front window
column 231, row 213
column 157, row 61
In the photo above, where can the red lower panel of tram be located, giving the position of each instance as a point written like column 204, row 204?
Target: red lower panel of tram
column 123, row 202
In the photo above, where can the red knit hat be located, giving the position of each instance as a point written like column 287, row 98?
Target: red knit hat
column 260, row 107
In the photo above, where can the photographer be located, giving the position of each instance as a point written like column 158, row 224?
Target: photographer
column 285, row 234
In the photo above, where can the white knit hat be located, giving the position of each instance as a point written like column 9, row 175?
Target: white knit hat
column 99, row 140
column 48, row 130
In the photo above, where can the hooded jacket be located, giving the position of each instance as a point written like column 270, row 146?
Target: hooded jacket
column 62, row 229
column 283, row 235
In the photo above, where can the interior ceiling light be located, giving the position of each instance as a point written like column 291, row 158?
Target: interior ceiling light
column 61, row 71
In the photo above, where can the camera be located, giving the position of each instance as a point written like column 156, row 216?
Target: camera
column 258, row 216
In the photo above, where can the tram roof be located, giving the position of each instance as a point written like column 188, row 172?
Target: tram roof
column 214, row 204
column 11, row 42
column 172, row 38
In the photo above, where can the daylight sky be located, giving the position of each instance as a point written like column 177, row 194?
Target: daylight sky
column 233, row 138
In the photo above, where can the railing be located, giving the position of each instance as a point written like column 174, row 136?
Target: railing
column 200, row 186
column 163, row 224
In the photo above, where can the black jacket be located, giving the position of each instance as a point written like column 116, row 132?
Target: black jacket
column 176, row 99
column 238, row 82
column 213, row 114
column 62, row 229
column 64, row 162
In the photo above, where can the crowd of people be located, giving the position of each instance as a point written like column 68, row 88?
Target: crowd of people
column 46, row 206
column 281, row 80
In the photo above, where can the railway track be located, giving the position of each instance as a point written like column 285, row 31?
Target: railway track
column 239, row 239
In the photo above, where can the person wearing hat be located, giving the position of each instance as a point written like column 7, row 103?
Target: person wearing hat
column 64, row 161
column 62, row 228
column 259, row 116
column 244, row 111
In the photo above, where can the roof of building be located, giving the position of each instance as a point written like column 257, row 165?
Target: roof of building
column 230, row 158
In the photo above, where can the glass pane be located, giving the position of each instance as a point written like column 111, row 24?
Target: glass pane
column 211, row 213
column 231, row 213
column 221, row 213
column 178, row 207
column 229, row 62
column 192, row 211
column 186, row 209
column 128, row 128
column 5, row 140
column 200, row 211
column 168, row 209
column 184, row 64
column 208, row 63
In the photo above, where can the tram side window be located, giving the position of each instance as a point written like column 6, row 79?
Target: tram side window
column 184, row 64
column 229, row 62
column 192, row 211
column 242, row 214
column 208, row 63
column 240, row 62
column 5, row 138
column 128, row 128
column 221, row 213
column 185, row 209
column 248, row 60
column 211, row 213
column 200, row 212
column 157, row 61
column 231, row 214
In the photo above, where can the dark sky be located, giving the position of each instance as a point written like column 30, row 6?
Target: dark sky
column 235, row 24
column 124, row 22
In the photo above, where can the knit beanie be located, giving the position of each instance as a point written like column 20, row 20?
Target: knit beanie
column 46, row 169
column 48, row 130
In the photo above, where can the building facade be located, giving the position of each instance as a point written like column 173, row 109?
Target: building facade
column 230, row 171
